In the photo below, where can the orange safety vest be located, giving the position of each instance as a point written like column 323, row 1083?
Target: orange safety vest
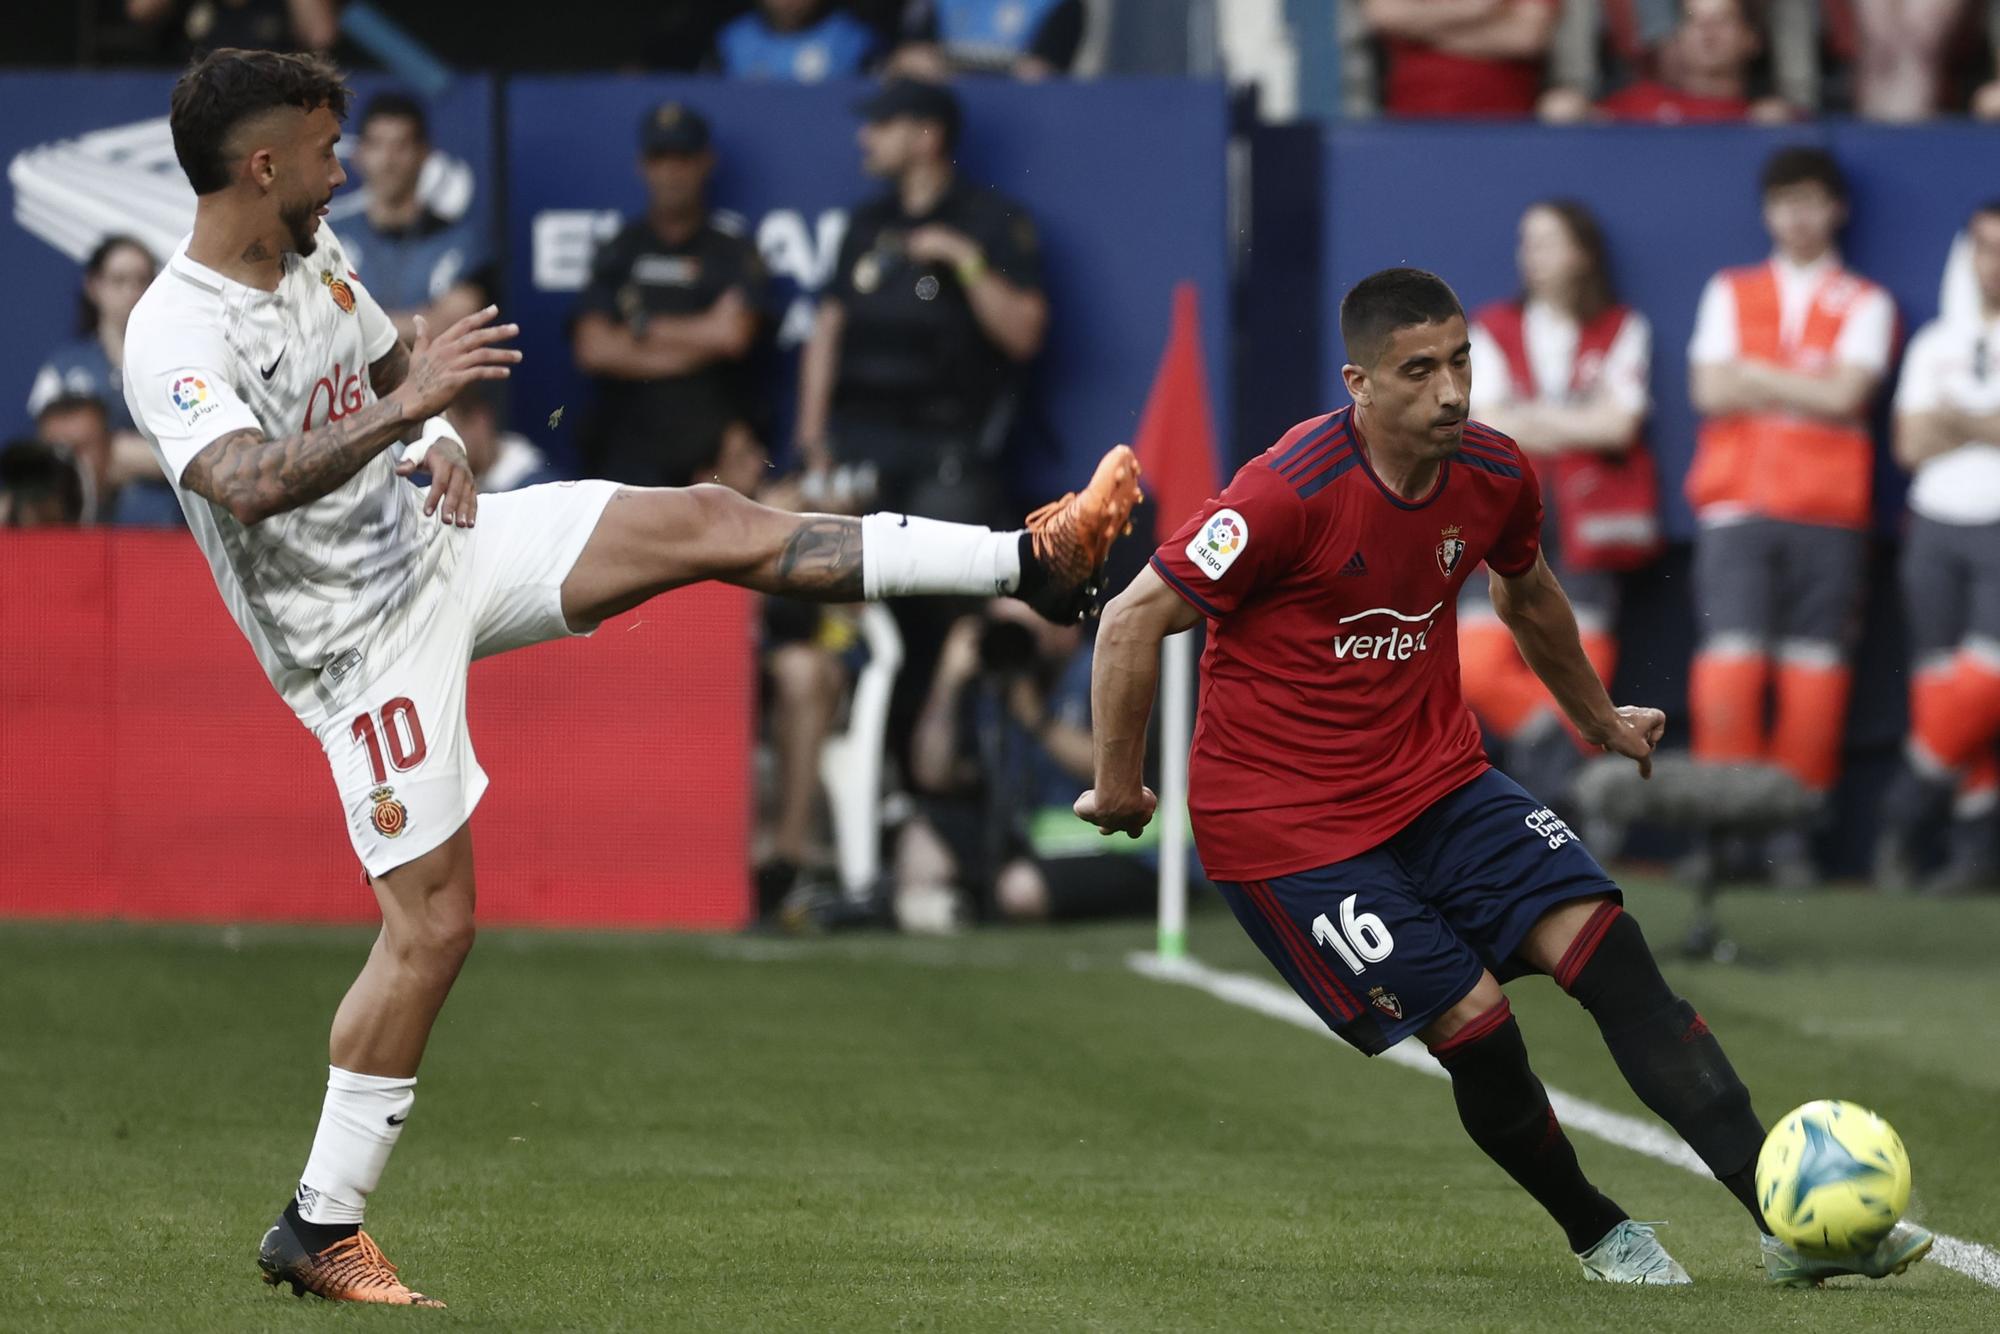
column 1782, row 465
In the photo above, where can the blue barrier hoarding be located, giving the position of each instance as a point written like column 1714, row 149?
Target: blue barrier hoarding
column 1124, row 178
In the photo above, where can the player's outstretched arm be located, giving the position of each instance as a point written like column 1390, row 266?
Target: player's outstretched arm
column 1538, row 612
column 254, row 477
column 1124, row 675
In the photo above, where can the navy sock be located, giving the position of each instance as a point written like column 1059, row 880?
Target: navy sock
column 1665, row 1051
column 1506, row 1111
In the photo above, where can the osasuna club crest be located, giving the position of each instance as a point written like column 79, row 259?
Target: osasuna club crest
column 1450, row 551
column 1388, row 1002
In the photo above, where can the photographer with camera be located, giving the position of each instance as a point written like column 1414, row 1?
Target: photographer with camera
column 999, row 751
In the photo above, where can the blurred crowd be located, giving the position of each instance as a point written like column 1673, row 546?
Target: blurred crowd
column 910, row 391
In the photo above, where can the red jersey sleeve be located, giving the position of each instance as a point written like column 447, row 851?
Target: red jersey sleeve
column 1520, row 539
column 1236, row 543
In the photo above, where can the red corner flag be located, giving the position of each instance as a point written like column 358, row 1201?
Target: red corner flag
column 1176, row 439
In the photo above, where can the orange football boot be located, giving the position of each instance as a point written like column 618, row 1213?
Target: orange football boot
column 351, row 1270
column 1070, row 538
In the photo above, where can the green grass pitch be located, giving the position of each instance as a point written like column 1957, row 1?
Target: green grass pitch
column 1004, row 1131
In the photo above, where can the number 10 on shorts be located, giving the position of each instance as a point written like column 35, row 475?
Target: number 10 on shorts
column 1360, row 938
column 400, row 729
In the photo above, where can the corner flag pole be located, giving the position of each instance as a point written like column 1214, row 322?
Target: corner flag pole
column 1176, row 708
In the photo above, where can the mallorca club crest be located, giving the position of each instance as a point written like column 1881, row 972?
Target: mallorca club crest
column 1450, row 551
column 390, row 818
column 1386, row 1001
column 343, row 295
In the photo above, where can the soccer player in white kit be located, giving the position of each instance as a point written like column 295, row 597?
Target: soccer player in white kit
column 287, row 414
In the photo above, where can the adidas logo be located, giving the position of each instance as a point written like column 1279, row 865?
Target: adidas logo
column 1355, row 565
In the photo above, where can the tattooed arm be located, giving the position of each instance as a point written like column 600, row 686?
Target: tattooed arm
column 253, row 477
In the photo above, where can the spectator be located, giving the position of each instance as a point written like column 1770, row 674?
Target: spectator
column 1900, row 56
column 501, row 460
column 1002, row 746
column 118, row 487
column 260, row 25
column 1471, row 58
column 667, row 319
column 1029, row 39
column 40, row 486
column 933, row 311
column 1563, row 368
column 1948, row 433
column 1703, row 75
column 1786, row 358
column 416, row 262
column 90, row 365
column 799, row 41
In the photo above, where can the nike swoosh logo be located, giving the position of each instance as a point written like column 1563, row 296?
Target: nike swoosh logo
column 398, row 1120
column 270, row 369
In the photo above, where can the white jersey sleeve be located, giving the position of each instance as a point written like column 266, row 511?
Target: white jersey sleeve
column 1714, row 340
column 1921, row 388
column 378, row 331
column 177, row 385
column 1868, row 334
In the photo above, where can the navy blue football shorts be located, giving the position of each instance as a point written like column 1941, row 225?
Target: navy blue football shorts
column 1382, row 943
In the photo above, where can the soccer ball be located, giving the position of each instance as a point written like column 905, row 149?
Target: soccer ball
column 1832, row 1179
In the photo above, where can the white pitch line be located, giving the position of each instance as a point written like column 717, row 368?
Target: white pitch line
column 1977, row 1262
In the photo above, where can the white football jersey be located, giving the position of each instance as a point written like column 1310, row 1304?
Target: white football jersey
column 329, row 592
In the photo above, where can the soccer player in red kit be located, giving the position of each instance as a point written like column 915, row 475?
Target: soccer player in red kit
column 1340, row 796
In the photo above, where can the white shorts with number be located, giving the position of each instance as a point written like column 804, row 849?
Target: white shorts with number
column 400, row 752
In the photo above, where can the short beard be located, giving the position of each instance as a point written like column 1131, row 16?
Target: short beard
column 302, row 224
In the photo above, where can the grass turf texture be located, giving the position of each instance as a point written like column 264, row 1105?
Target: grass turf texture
column 1005, row 1131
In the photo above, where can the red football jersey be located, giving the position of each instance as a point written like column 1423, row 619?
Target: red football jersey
column 1331, row 713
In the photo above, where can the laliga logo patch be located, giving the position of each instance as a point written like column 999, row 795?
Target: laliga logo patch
column 343, row 295
column 1218, row 544
column 389, row 817
column 190, row 397
column 1450, row 551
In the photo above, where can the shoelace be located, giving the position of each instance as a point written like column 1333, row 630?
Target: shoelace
column 1635, row 1234
column 1043, row 534
column 358, row 1262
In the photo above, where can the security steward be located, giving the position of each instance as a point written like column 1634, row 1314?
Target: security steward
column 910, row 382
column 667, row 321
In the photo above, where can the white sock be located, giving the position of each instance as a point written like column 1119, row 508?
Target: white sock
column 360, row 1122
column 902, row 555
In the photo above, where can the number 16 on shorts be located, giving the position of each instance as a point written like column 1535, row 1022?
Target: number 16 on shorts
column 1358, row 938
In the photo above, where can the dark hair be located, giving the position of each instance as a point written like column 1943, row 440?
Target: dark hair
column 396, row 105
column 72, row 403
column 1392, row 299
column 1597, row 292
column 86, row 309
column 224, row 88
column 1804, row 166
column 1989, row 209
column 32, row 471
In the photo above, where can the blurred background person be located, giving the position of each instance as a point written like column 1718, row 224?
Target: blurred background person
column 1900, row 56
column 796, row 41
column 120, row 486
column 1701, row 72
column 259, row 25
column 1000, row 750
column 414, row 261
column 1564, row 369
column 1462, row 58
column 40, row 486
column 668, row 319
column 1029, row 39
column 1947, row 431
column 1785, row 360
column 90, row 365
column 502, row 460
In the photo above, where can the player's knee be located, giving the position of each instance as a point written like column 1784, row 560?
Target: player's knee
column 437, row 939
column 1022, row 892
column 797, row 673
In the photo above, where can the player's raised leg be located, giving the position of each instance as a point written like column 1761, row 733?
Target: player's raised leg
column 649, row 541
column 378, row 1040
